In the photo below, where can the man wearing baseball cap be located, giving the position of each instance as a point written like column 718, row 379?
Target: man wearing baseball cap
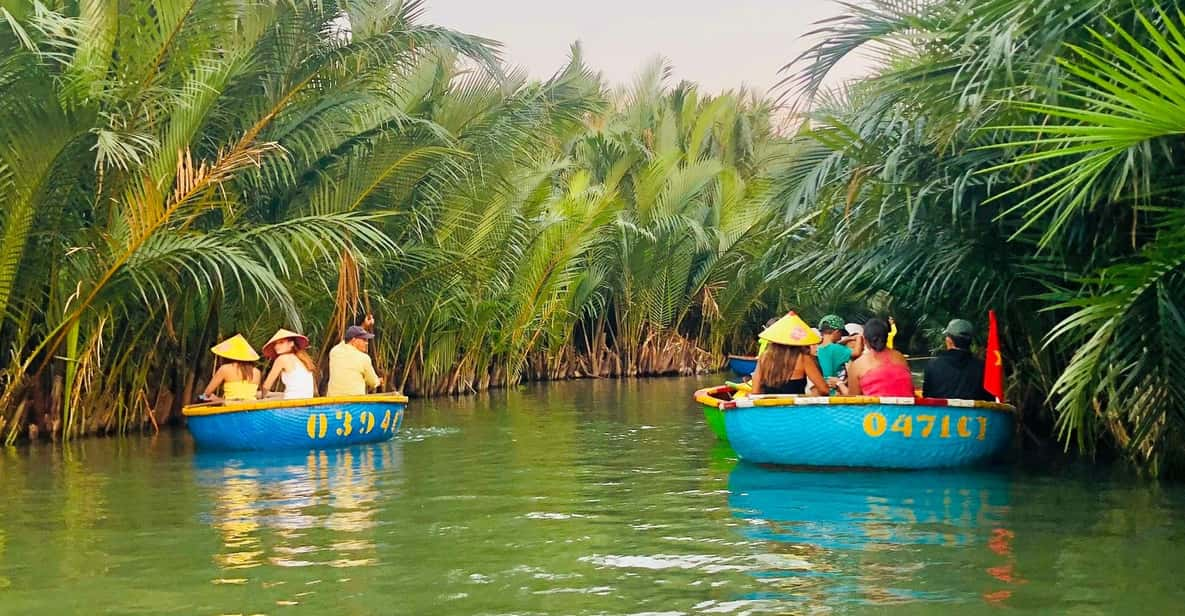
column 350, row 368
column 955, row 372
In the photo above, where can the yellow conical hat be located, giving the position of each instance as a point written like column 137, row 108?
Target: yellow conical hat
column 235, row 348
column 792, row 331
column 300, row 340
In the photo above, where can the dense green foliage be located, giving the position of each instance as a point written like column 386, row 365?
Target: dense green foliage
column 174, row 171
column 1022, row 155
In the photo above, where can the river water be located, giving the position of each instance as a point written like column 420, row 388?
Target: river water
column 593, row 497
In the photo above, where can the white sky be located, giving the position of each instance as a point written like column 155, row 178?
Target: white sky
column 719, row 44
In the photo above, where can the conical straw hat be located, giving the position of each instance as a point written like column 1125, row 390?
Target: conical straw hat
column 269, row 348
column 792, row 331
column 235, row 348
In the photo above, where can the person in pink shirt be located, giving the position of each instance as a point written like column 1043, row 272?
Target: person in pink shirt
column 879, row 371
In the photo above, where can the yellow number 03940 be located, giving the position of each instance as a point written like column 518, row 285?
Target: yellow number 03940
column 925, row 426
column 318, row 424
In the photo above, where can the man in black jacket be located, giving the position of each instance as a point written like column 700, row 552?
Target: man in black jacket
column 955, row 372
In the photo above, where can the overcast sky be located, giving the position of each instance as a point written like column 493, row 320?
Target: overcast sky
column 721, row 45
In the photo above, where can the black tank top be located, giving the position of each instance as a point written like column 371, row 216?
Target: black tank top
column 793, row 386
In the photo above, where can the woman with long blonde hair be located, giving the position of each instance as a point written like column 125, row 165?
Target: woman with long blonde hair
column 291, row 365
column 787, row 365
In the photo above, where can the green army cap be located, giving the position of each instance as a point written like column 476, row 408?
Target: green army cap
column 831, row 321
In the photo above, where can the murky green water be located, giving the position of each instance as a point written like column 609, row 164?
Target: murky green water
column 577, row 498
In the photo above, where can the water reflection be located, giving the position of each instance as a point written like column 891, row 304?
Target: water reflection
column 864, row 536
column 297, row 509
column 721, row 459
column 613, row 502
column 4, row 581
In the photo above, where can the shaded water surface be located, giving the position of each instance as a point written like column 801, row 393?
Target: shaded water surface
column 605, row 497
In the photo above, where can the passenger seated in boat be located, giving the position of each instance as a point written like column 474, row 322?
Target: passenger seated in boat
column 762, row 342
column 955, row 372
column 834, row 352
column 813, row 350
column 787, row 364
column 234, row 371
column 853, row 338
column 350, row 368
column 291, row 365
column 880, row 371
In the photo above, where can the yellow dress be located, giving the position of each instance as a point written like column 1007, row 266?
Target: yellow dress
column 239, row 390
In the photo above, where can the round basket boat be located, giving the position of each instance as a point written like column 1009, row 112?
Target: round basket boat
column 742, row 365
column 861, row 431
column 312, row 423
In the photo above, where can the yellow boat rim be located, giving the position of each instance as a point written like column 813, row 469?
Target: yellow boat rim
column 197, row 410
column 705, row 397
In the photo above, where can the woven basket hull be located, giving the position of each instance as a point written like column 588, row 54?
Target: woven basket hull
column 317, row 423
column 863, row 432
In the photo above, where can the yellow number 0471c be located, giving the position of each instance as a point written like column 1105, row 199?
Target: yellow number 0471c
column 876, row 424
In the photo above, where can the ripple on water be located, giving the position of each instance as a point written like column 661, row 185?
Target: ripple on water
column 416, row 435
column 704, row 562
column 551, row 515
column 594, row 590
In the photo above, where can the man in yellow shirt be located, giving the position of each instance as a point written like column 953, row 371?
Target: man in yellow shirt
column 350, row 368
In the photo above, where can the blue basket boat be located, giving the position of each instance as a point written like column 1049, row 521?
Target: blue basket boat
column 742, row 365
column 862, row 431
column 311, row 423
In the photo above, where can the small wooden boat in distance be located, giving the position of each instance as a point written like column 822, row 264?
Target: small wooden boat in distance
column 742, row 365
column 310, row 423
column 861, row 431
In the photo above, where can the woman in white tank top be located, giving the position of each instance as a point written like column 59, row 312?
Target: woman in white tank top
column 291, row 365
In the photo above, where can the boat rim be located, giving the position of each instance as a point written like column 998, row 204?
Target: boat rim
column 198, row 410
column 704, row 397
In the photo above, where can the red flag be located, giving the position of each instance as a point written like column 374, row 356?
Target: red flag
column 993, row 364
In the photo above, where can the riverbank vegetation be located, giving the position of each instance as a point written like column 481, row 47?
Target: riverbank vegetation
column 178, row 171
column 173, row 172
column 1022, row 155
